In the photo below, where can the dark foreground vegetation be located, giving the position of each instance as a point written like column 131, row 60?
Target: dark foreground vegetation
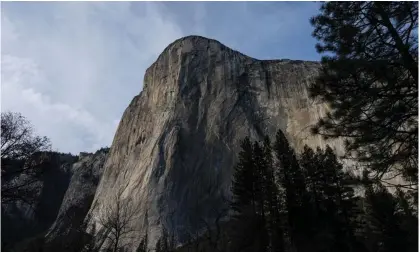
column 307, row 202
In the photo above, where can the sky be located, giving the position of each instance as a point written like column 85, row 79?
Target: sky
column 72, row 68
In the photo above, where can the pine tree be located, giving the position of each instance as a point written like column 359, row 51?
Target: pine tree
column 408, row 220
column 259, row 186
column 384, row 224
column 271, row 199
column 370, row 80
column 245, row 188
column 292, row 180
column 256, row 199
column 341, row 200
column 312, row 166
column 333, row 201
column 242, row 183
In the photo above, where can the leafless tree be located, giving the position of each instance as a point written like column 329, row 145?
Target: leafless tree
column 117, row 218
column 22, row 160
column 213, row 229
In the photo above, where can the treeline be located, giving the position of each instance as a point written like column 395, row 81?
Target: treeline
column 285, row 201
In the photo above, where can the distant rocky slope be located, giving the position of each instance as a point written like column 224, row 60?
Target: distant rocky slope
column 175, row 147
column 66, row 191
column 19, row 220
column 79, row 195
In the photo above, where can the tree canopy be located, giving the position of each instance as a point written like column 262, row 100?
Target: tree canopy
column 21, row 161
column 369, row 78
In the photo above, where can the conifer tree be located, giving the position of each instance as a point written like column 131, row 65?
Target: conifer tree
column 383, row 223
column 312, row 166
column 259, row 186
column 245, row 186
column 408, row 219
column 341, row 201
column 292, row 180
column 370, row 80
column 272, row 200
column 332, row 199
column 242, row 183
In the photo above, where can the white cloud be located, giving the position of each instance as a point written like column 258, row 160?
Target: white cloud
column 63, row 123
column 72, row 68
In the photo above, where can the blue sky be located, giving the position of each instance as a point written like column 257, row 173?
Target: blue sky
column 73, row 68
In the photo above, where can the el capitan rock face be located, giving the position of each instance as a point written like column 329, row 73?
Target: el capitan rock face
column 175, row 147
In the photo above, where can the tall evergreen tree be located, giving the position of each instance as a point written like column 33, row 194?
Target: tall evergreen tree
column 340, row 202
column 369, row 78
column 259, row 183
column 332, row 200
column 312, row 166
column 312, row 207
column 384, row 224
column 408, row 220
column 292, row 180
column 242, row 183
column 271, row 200
column 246, row 188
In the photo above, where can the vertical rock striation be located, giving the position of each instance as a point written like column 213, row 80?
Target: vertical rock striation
column 175, row 147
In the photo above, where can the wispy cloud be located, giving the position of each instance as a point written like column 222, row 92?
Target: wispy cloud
column 72, row 68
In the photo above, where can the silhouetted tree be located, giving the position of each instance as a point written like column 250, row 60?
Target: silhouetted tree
column 385, row 225
column 271, row 200
column 22, row 163
column 297, row 202
column 369, row 78
column 314, row 207
column 242, row 184
column 248, row 199
column 260, row 187
column 406, row 210
column 243, row 203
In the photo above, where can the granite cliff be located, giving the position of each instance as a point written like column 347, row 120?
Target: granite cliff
column 175, row 146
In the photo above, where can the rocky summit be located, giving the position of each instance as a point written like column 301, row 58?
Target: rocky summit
column 174, row 150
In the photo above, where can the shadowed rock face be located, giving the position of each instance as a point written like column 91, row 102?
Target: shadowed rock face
column 79, row 195
column 175, row 147
column 21, row 220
